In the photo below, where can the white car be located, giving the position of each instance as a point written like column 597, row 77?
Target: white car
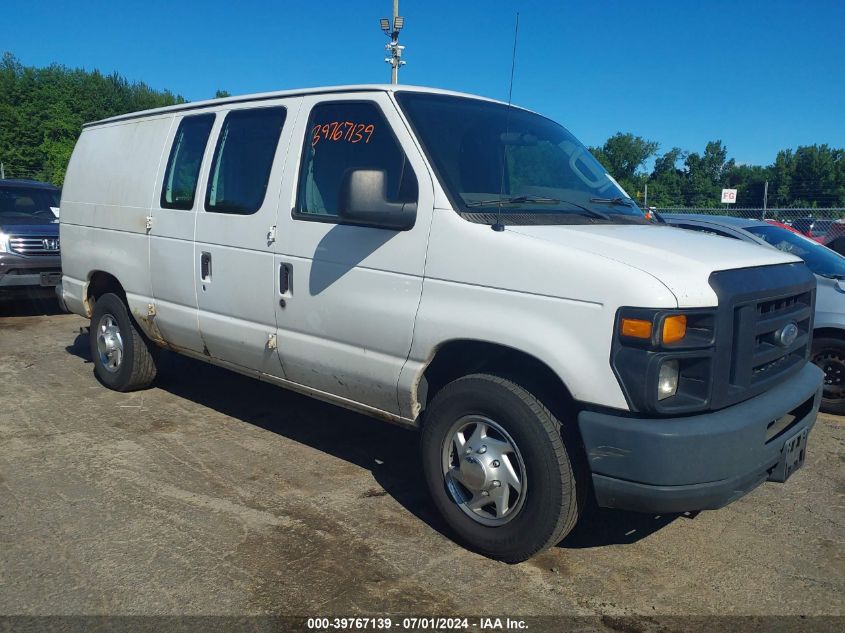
column 453, row 264
column 828, row 351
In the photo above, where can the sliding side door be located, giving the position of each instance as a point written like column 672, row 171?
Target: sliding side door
column 234, row 239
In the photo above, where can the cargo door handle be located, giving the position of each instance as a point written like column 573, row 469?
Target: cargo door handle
column 284, row 279
column 205, row 266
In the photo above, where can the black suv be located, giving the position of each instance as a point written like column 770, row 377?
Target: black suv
column 29, row 237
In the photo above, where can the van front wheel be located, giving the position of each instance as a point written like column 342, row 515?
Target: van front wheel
column 498, row 468
column 123, row 358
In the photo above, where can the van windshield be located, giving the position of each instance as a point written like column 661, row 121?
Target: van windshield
column 492, row 158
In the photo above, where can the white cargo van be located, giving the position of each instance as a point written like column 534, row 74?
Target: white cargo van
column 451, row 263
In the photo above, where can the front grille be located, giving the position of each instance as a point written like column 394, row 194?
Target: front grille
column 755, row 304
column 34, row 244
column 769, row 356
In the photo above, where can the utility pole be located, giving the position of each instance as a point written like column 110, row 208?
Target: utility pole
column 2, row 171
column 393, row 48
column 645, row 198
column 765, row 198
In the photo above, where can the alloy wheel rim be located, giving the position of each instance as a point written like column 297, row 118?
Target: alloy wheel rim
column 109, row 343
column 484, row 471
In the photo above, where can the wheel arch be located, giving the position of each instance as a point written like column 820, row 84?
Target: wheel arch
column 455, row 358
column 829, row 332
column 99, row 283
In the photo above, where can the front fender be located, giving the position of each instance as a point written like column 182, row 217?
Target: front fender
column 573, row 338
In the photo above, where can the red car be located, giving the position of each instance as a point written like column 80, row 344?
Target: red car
column 812, row 227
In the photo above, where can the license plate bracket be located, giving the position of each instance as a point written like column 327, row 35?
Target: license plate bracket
column 791, row 457
column 51, row 279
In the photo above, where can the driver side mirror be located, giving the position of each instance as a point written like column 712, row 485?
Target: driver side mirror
column 363, row 202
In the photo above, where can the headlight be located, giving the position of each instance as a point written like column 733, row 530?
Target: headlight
column 667, row 379
column 673, row 330
column 663, row 358
column 4, row 243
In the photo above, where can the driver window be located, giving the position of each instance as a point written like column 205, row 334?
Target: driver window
column 342, row 136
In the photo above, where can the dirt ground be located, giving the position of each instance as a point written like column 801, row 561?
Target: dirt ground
column 212, row 493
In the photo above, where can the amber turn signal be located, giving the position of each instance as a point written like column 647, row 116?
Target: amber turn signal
column 637, row 328
column 674, row 328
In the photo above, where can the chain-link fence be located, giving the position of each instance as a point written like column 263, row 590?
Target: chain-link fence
column 821, row 223
column 786, row 192
column 781, row 215
column 16, row 172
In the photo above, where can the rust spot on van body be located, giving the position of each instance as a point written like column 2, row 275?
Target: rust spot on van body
column 147, row 324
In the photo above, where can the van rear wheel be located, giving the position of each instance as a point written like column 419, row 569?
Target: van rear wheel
column 498, row 468
column 124, row 360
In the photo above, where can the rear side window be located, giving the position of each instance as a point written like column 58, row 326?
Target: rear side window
column 243, row 159
column 342, row 136
column 183, row 166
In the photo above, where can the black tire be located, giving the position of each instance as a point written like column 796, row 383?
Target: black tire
column 137, row 367
column 829, row 355
column 557, row 482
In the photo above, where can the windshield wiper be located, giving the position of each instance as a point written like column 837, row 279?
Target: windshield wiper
column 593, row 213
column 515, row 200
column 590, row 212
column 615, row 201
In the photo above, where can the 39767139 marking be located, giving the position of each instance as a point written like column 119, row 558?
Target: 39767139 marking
column 348, row 624
column 336, row 131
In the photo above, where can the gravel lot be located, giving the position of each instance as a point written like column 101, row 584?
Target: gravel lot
column 215, row 494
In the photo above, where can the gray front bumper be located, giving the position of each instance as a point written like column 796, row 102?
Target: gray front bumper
column 697, row 462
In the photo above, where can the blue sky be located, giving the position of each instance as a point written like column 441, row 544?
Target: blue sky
column 759, row 75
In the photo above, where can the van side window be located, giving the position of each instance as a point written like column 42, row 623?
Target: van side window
column 183, row 166
column 342, row 136
column 243, row 159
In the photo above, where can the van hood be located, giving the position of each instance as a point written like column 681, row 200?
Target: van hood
column 682, row 260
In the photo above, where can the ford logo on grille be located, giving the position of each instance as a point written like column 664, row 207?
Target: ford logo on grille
column 50, row 243
column 787, row 334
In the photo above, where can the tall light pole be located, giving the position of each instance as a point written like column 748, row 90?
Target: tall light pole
column 394, row 49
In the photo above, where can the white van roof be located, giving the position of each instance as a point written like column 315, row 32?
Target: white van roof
column 264, row 96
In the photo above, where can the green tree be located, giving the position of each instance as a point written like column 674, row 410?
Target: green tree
column 666, row 183
column 817, row 176
column 809, row 176
column 623, row 155
column 750, row 183
column 42, row 111
column 705, row 175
